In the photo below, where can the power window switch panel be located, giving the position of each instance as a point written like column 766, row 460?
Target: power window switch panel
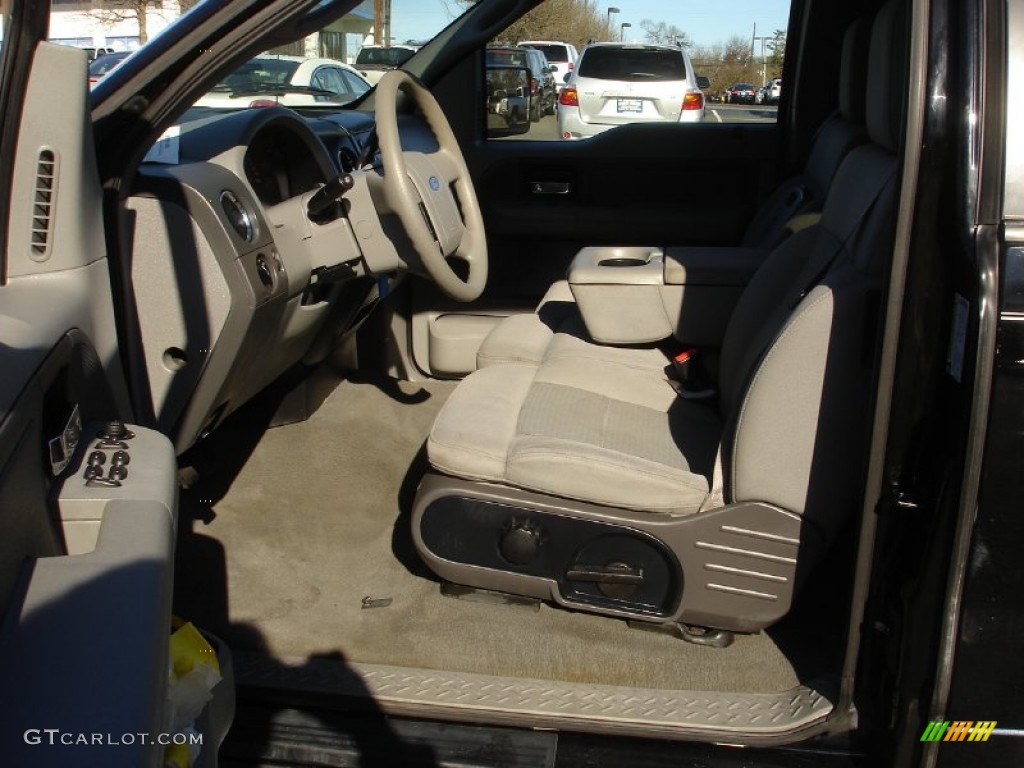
column 151, row 476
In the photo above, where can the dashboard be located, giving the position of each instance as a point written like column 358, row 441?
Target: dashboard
column 234, row 281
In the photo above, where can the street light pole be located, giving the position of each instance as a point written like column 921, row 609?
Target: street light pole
column 608, row 23
column 622, row 31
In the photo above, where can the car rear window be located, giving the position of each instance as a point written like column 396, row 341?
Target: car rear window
column 632, row 64
column 257, row 74
column 553, row 52
column 388, row 57
column 505, row 58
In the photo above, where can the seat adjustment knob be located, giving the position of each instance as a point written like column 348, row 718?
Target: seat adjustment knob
column 520, row 543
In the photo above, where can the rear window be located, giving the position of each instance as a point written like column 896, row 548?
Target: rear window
column 388, row 57
column 552, row 52
column 632, row 64
column 506, row 58
column 257, row 75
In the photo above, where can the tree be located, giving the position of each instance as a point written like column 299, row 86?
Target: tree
column 776, row 53
column 116, row 11
column 572, row 21
column 660, row 32
column 737, row 51
column 725, row 63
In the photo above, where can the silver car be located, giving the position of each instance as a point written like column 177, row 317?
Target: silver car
column 618, row 83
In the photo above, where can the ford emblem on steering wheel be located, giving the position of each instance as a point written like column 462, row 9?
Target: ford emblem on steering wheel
column 434, row 183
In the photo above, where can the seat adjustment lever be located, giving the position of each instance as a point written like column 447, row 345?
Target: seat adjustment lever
column 614, row 573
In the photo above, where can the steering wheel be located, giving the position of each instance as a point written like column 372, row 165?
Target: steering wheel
column 431, row 192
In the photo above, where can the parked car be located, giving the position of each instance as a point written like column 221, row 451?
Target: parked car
column 102, row 65
column 373, row 61
column 769, row 92
column 94, row 53
column 617, row 83
column 293, row 81
column 542, row 84
column 562, row 56
column 740, row 93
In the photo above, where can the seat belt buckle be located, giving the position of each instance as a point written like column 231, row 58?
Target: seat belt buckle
column 687, row 376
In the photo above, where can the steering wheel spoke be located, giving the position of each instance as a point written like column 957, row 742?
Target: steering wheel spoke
column 432, row 193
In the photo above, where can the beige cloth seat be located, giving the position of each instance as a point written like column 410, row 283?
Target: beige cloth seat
column 596, row 431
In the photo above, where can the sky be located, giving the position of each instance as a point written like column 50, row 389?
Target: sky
column 707, row 22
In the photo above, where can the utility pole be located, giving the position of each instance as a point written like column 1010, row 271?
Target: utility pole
column 378, row 21
column 764, row 62
column 387, row 23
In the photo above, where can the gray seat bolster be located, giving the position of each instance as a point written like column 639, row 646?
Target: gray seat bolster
column 797, row 439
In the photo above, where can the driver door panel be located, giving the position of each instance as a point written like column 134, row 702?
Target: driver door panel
column 85, row 570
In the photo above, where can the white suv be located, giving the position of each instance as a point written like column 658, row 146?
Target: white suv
column 617, row 83
column 562, row 56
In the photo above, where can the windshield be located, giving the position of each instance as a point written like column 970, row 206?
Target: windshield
column 107, row 62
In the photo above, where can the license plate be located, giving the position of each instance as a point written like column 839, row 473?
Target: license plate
column 629, row 105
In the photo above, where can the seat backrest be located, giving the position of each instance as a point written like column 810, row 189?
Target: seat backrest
column 844, row 130
column 798, row 354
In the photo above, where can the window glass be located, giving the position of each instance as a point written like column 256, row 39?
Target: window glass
column 354, row 83
column 684, row 62
column 328, row 79
column 632, row 65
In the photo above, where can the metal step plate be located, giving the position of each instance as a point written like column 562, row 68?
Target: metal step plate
column 728, row 717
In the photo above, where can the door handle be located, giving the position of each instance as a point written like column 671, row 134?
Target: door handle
column 550, row 187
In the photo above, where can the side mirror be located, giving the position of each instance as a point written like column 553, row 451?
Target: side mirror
column 566, row 76
column 508, row 101
column 703, row 82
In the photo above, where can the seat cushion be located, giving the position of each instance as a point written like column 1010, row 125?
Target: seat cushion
column 589, row 430
column 472, row 434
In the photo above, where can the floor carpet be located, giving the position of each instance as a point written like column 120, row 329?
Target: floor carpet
column 288, row 530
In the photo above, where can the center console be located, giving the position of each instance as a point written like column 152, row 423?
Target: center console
column 641, row 295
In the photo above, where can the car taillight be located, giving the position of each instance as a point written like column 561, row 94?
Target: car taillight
column 569, row 97
column 693, row 100
column 533, row 85
column 571, row 66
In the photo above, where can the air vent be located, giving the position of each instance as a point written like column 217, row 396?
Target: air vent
column 42, row 204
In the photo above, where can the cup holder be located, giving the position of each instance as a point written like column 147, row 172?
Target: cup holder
column 623, row 261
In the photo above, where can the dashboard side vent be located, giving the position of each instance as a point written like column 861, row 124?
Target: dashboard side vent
column 42, row 204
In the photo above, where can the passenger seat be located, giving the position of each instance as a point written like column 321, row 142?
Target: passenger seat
column 584, row 479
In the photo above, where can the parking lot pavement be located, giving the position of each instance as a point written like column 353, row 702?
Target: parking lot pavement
column 740, row 113
column 547, row 128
